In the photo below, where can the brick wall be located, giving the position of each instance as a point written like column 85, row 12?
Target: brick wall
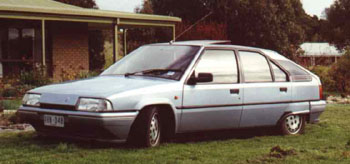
column 70, row 49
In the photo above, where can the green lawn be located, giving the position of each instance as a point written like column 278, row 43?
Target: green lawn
column 326, row 142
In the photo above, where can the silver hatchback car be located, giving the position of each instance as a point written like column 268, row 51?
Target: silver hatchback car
column 162, row 89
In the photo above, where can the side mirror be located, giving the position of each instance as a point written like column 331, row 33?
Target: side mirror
column 202, row 78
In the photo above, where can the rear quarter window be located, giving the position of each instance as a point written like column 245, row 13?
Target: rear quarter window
column 295, row 71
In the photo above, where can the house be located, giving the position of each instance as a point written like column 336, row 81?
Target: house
column 55, row 35
column 319, row 54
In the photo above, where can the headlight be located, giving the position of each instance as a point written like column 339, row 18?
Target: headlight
column 94, row 105
column 31, row 99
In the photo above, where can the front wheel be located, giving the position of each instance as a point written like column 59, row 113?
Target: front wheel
column 292, row 124
column 146, row 131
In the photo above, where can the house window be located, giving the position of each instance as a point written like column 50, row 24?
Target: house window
column 20, row 46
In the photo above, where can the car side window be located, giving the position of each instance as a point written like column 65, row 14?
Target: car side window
column 221, row 63
column 255, row 67
column 280, row 76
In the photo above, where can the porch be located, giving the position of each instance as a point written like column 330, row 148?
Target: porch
column 55, row 36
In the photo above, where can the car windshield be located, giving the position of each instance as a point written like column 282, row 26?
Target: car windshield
column 158, row 61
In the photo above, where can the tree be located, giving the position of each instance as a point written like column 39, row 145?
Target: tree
column 80, row 3
column 339, row 23
column 146, row 8
column 273, row 24
column 268, row 24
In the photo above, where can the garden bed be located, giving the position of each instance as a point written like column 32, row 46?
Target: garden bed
column 333, row 99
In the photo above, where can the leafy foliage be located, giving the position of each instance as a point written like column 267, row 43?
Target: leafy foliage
column 324, row 73
column 278, row 25
column 268, row 24
column 36, row 77
column 339, row 23
column 203, row 31
column 340, row 73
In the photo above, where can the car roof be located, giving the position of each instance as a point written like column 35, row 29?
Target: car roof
column 226, row 44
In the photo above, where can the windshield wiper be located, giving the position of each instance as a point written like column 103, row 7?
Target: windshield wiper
column 153, row 71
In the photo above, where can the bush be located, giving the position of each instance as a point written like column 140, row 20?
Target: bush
column 9, row 92
column 10, row 104
column 86, row 74
column 37, row 77
column 329, row 85
column 340, row 73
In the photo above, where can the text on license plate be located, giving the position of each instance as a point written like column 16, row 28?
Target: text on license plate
column 52, row 120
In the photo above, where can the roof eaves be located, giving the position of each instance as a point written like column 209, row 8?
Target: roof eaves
column 87, row 12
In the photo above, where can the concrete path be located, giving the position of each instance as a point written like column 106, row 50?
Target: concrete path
column 16, row 128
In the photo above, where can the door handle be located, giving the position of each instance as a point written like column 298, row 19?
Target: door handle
column 283, row 89
column 234, row 91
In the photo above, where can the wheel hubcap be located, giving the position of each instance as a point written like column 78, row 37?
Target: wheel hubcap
column 154, row 130
column 293, row 124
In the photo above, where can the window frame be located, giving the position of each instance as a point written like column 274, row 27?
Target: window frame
column 269, row 61
column 193, row 68
column 282, row 69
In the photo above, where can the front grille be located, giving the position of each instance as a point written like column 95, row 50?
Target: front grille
column 58, row 107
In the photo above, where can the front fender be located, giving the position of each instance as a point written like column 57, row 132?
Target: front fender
column 160, row 101
column 154, row 101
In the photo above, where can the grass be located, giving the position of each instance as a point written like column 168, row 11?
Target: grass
column 326, row 142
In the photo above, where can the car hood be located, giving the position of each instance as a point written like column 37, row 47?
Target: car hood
column 99, row 87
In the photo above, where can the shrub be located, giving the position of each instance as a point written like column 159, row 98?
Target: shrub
column 323, row 72
column 37, row 77
column 10, row 104
column 340, row 73
column 10, row 92
column 86, row 74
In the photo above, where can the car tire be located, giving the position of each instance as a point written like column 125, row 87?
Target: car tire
column 146, row 130
column 292, row 124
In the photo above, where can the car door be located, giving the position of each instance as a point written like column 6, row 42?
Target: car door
column 267, row 91
column 217, row 104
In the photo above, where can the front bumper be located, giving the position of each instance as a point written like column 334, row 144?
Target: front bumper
column 112, row 127
column 316, row 109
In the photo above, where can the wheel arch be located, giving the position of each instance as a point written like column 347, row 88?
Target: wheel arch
column 166, row 108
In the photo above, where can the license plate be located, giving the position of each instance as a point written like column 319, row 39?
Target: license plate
column 55, row 121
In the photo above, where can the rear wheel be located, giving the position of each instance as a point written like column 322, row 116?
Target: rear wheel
column 292, row 124
column 146, row 131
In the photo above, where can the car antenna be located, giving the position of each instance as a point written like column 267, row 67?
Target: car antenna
column 189, row 28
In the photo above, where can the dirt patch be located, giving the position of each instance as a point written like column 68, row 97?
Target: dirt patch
column 275, row 153
column 346, row 154
column 278, row 152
